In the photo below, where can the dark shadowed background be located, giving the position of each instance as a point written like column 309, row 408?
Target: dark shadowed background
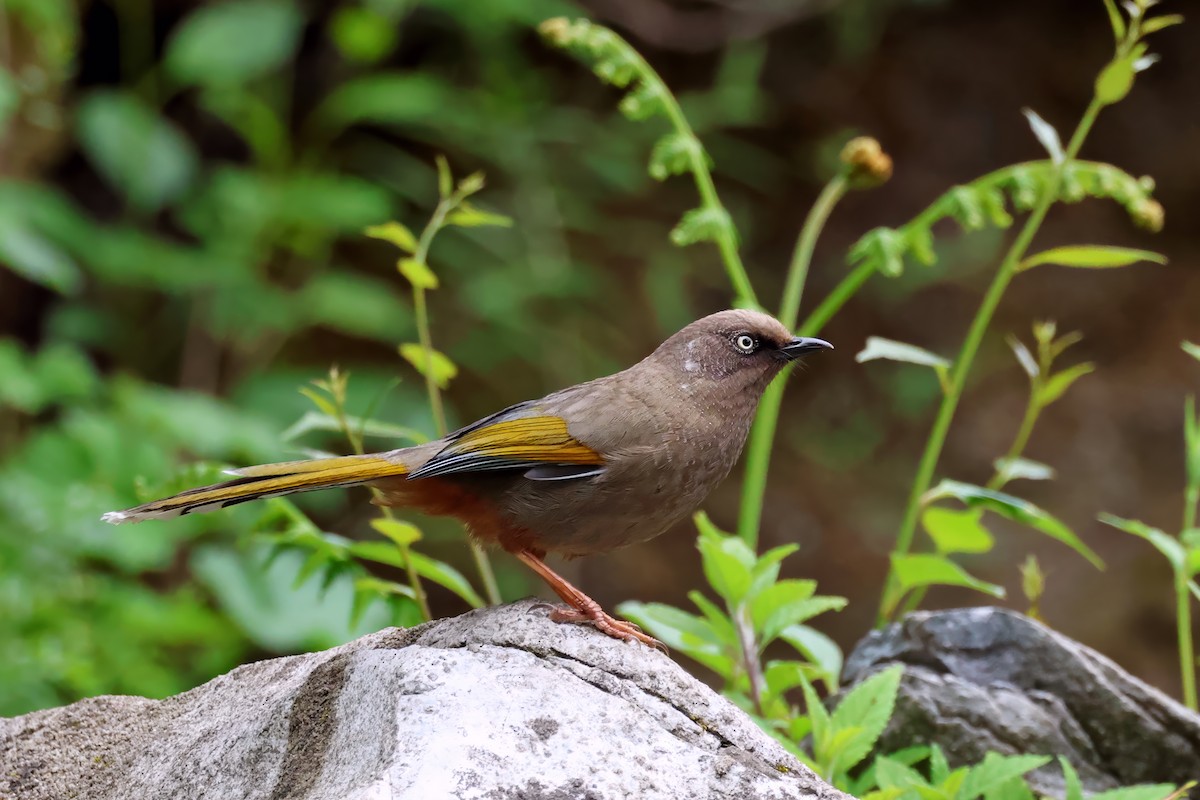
column 180, row 226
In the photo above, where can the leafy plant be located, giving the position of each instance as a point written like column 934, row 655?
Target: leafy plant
column 728, row 641
column 1182, row 552
column 759, row 609
column 333, row 554
column 1060, row 180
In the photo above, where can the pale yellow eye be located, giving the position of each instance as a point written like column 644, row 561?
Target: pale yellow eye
column 745, row 343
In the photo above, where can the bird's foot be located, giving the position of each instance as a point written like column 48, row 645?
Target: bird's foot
column 596, row 617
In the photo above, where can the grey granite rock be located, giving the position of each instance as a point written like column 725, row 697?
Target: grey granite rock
column 985, row 679
column 499, row 703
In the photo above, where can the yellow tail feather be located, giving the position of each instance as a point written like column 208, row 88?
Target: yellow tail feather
column 266, row 480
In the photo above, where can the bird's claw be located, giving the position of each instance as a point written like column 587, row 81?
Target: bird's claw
column 616, row 628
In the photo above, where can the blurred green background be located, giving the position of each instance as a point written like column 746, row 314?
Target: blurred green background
column 183, row 187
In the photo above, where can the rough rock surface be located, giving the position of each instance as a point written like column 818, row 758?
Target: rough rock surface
column 496, row 704
column 985, row 679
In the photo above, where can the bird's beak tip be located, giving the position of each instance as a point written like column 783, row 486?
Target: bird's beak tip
column 802, row 345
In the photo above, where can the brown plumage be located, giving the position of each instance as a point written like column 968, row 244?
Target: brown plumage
column 584, row 470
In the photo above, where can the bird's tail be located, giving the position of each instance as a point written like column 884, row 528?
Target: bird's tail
column 267, row 480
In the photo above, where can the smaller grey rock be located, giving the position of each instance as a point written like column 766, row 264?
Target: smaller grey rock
column 498, row 704
column 989, row 679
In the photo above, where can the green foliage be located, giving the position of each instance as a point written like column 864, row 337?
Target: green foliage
column 987, row 201
column 1181, row 552
column 242, row 253
column 759, row 609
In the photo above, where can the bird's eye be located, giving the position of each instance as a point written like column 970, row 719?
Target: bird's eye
column 745, row 343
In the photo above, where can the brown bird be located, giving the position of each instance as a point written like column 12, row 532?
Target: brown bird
column 588, row 469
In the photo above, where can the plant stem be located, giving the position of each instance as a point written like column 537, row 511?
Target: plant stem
column 749, row 648
column 482, row 563
column 426, row 341
column 338, row 391
column 726, row 240
column 818, row 215
column 1032, row 408
column 1191, row 499
column 970, row 346
column 1183, row 625
column 762, row 434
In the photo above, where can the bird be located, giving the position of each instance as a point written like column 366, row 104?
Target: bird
column 588, row 469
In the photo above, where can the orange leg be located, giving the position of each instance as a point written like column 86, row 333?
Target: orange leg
column 582, row 608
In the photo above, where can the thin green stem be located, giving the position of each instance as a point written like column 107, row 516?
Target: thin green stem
column 426, row 341
column 338, row 390
column 970, row 346
column 1183, row 626
column 483, row 563
column 726, row 240
column 762, row 433
column 1191, row 499
column 1032, row 409
column 818, row 215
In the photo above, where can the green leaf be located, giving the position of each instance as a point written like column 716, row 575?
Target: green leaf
column 766, row 569
column 439, row 366
column 31, row 255
column 878, row 347
column 1015, row 509
column 939, row 768
column 320, row 401
column 822, row 651
column 924, row 569
column 673, row 154
column 468, row 216
column 820, row 718
column 1092, row 256
column 890, row 774
column 318, row 421
column 688, row 633
column 1072, row 787
column 231, row 43
column 445, row 177
column 727, row 560
column 1169, row 546
column 1011, row 469
column 380, row 552
column 1118, row 28
column 362, row 34
column 787, row 603
column 388, row 99
column 1158, row 23
column 1046, row 134
column 867, row 707
column 1058, row 384
column 1011, row 789
column 702, row 225
column 447, row 577
column 1147, row 791
column 1115, row 80
column 417, row 273
column 1192, row 350
column 138, row 152
column 996, row 769
column 353, row 303
column 396, row 233
column 403, row 534
column 955, row 531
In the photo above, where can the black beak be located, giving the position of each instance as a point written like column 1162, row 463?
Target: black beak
column 802, row 345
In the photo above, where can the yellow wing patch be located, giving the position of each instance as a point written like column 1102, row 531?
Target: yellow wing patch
column 529, row 439
column 511, row 443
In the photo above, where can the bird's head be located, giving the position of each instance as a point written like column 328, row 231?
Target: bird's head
column 735, row 352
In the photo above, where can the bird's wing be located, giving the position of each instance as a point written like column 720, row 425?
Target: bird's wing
column 521, row 436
